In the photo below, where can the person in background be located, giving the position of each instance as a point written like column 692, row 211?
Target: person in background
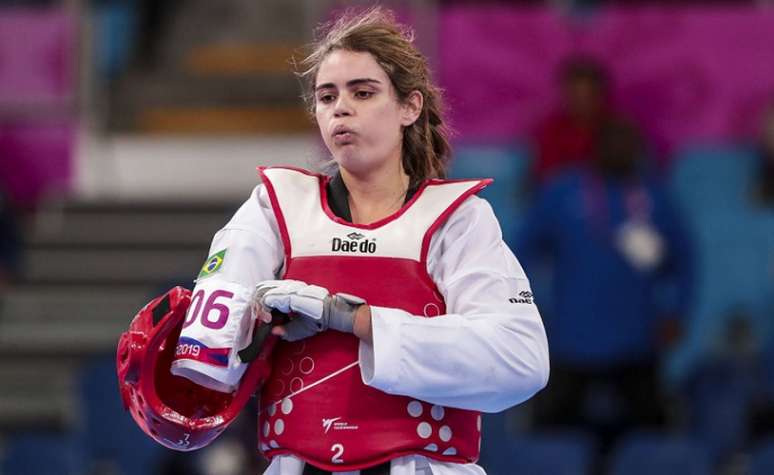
column 764, row 186
column 616, row 245
column 10, row 242
column 154, row 19
column 762, row 411
column 567, row 136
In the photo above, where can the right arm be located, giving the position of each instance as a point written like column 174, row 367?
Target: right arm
column 219, row 321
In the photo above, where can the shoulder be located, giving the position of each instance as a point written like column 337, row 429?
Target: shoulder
column 474, row 214
column 471, row 242
column 289, row 181
column 258, row 199
column 474, row 207
column 255, row 213
column 272, row 174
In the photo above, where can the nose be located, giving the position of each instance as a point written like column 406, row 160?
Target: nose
column 342, row 106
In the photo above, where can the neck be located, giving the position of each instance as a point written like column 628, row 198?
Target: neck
column 375, row 195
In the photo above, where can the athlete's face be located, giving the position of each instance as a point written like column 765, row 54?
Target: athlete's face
column 358, row 112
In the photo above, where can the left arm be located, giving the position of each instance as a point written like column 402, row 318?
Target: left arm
column 489, row 352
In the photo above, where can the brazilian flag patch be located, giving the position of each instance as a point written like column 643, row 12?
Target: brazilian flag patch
column 212, row 265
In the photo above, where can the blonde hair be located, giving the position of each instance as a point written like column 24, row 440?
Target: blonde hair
column 426, row 148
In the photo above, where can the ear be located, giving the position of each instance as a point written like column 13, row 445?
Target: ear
column 411, row 108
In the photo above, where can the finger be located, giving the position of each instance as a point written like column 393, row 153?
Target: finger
column 299, row 329
column 260, row 310
column 263, row 314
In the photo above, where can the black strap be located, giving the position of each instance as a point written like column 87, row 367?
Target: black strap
column 338, row 197
column 161, row 309
column 259, row 336
column 338, row 200
column 381, row 469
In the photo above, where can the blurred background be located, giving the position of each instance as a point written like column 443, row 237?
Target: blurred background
column 632, row 144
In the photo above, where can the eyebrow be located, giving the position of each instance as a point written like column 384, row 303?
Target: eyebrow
column 351, row 83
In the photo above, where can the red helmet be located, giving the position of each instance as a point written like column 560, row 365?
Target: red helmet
column 172, row 410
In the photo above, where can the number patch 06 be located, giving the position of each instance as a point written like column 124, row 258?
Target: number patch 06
column 212, row 313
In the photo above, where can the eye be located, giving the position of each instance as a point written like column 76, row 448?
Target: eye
column 326, row 98
column 362, row 94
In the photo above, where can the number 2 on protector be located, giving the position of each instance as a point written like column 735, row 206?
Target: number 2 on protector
column 339, row 451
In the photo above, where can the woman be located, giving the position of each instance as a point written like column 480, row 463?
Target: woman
column 363, row 380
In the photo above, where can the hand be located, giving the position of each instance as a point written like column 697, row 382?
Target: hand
column 314, row 307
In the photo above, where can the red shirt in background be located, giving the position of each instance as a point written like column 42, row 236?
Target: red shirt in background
column 562, row 142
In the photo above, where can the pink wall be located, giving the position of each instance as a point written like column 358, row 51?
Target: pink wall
column 38, row 64
column 37, row 57
column 687, row 74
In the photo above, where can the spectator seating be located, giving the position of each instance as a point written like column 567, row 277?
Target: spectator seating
column 720, row 392
column 713, row 186
column 547, row 453
column 552, row 454
column 109, row 435
column 508, row 165
column 648, row 453
column 494, row 436
column 33, row 453
column 708, row 179
column 762, row 462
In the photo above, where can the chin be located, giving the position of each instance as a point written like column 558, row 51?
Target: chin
column 353, row 168
column 351, row 161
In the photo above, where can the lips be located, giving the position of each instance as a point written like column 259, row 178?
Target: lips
column 342, row 134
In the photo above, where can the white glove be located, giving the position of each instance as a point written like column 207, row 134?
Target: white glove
column 315, row 308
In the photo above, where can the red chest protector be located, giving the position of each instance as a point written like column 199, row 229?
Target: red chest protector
column 315, row 405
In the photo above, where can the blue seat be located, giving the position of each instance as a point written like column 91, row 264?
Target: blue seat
column 652, row 453
column 708, row 179
column 553, row 454
column 762, row 461
column 495, row 435
column 109, row 435
column 556, row 453
column 42, row 454
column 720, row 394
column 733, row 277
column 508, row 165
column 713, row 186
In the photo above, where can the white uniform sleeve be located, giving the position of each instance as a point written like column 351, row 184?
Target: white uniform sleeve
column 219, row 322
column 489, row 352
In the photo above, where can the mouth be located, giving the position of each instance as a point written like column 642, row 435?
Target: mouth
column 342, row 135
